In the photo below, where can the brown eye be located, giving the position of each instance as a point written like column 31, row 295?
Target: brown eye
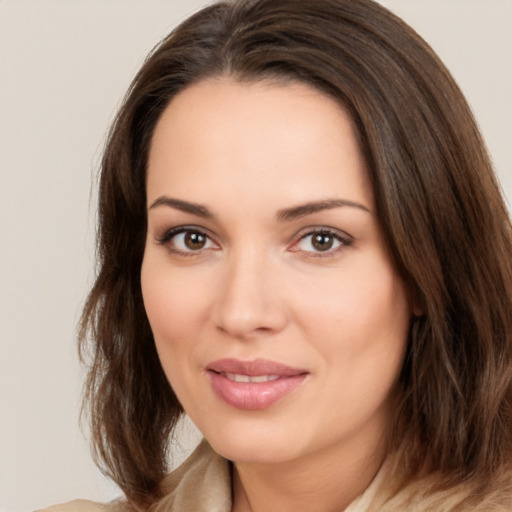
column 194, row 240
column 182, row 240
column 322, row 241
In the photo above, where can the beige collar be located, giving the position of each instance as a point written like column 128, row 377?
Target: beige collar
column 203, row 484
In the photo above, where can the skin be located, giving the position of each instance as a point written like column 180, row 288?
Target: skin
column 259, row 288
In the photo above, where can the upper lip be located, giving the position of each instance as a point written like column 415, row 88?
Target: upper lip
column 254, row 368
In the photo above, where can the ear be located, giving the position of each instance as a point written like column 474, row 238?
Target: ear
column 417, row 311
column 417, row 303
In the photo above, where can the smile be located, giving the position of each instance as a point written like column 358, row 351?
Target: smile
column 236, row 377
column 253, row 385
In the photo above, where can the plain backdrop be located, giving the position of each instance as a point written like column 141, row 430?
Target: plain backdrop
column 64, row 67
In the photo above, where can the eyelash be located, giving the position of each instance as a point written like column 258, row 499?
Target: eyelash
column 344, row 240
column 170, row 234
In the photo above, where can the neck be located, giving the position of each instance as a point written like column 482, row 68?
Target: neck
column 325, row 481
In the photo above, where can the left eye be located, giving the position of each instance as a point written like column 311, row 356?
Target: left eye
column 189, row 241
column 320, row 241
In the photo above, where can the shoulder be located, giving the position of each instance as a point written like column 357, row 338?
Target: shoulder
column 84, row 506
column 426, row 495
column 75, row 506
column 202, row 482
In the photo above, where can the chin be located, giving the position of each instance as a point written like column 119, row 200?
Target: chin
column 262, row 442
column 255, row 451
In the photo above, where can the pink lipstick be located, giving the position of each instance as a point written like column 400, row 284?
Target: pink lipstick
column 253, row 385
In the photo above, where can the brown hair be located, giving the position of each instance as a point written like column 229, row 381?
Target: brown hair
column 438, row 202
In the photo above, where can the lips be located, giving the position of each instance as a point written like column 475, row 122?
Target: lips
column 253, row 385
column 237, row 377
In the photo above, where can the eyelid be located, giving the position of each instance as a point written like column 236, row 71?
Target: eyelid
column 343, row 237
column 170, row 233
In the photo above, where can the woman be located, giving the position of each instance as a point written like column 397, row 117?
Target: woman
column 302, row 245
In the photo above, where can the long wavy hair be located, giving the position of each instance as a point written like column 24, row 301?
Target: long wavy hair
column 436, row 196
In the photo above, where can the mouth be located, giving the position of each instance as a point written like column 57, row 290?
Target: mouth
column 236, row 377
column 253, row 385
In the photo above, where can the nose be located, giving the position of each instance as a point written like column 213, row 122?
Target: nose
column 248, row 302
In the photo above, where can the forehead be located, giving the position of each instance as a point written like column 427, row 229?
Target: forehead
column 290, row 137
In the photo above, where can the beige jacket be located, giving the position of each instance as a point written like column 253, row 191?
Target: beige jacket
column 203, row 484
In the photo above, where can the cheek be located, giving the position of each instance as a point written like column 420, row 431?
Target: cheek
column 362, row 337
column 177, row 307
column 171, row 298
column 373, row 298
column 359, row 322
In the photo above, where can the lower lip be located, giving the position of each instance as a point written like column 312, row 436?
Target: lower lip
column 253, row 395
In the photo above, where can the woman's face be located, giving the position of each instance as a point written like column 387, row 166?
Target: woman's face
column 278, row 317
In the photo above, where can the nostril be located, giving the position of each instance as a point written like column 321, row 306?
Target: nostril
column 246, row 303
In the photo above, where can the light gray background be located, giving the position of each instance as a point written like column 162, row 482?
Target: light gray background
column 64, row 67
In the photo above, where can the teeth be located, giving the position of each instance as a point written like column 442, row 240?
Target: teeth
column 238, row 378
column 263, row 378
column 248, row 378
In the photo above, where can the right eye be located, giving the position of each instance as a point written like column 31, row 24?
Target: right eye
column 187, row 241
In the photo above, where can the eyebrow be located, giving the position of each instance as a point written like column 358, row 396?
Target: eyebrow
column 284, row 215
column 295, row 212
column 184, row 206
